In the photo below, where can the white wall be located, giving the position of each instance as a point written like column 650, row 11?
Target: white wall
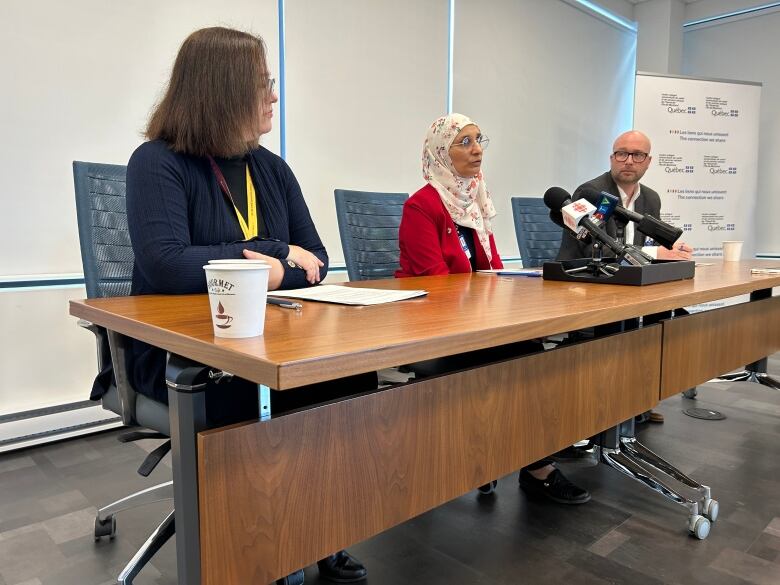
column 551, row 103
column 79, row 80
column 709, row 8
column 619, row 7
column 745, row 49
column 659, row 46
column 362, row 90
column 46, row 358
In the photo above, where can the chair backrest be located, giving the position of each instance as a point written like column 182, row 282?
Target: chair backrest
column 538, row 238
column 106, row 252
column 107, row 259
column 368, row 226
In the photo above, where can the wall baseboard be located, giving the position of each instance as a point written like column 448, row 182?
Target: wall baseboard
column 46, row 425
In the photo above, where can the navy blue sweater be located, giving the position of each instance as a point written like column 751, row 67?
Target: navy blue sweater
column 179, row 219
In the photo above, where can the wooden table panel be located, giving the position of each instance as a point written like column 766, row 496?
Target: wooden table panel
column 700, row 347
column 326, row 342
column 277, row 495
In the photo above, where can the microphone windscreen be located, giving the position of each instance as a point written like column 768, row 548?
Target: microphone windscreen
column 591, row 196
column 555, row 198
column 557, row 218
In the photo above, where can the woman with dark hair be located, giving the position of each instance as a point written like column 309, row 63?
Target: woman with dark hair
column 446, row 229
column 202, row 188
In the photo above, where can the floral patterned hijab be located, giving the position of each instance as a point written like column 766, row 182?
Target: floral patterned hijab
column 465, row 198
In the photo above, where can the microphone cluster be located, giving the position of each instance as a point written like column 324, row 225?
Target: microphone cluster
column 584, row 215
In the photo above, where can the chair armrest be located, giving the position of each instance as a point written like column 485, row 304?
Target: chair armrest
column 111, row 349
column 117, row 344
column 101, row 339
column 88, row 325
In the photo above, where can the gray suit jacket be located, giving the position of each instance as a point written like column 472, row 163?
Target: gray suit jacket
column 648, row 203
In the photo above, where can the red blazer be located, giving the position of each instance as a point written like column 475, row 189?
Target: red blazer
column 429, row 240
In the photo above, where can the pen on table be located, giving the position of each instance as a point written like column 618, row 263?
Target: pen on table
column 284, row 304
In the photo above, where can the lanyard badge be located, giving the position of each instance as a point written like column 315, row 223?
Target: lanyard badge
column 464, row 245
column 248, row 225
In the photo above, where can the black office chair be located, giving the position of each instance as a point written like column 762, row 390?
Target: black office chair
column 538, row 238
column 107, row 258
column 368, row 226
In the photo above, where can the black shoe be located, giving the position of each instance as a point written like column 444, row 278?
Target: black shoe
column 556, row 488
column 342, row 568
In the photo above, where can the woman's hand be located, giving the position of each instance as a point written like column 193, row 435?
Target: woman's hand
column 680, row 251
column 277, row 271
column 308, row 261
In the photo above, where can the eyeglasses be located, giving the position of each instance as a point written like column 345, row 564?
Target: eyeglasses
column 622, row 156
column 271, row 85
column 468, row 142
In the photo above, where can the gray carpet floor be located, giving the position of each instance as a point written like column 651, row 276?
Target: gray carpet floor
column 627, row 534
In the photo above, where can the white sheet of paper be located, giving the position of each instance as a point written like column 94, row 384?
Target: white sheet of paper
column 514, row 271
column 349, row 295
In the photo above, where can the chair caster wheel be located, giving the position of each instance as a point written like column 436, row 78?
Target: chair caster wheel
column 710, row 509
column 105, row 528
column 699, row 526
column 291, row 579
column 691, row 392
column 488, row 488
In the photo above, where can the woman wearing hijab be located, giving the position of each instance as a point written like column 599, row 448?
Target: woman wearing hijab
column 446, row 229
column 202, row 188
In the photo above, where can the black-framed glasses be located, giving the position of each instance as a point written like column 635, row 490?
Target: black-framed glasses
column 637, row 157
column 468, row 142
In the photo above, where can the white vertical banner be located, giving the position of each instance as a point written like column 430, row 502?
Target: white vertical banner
column 705, row 147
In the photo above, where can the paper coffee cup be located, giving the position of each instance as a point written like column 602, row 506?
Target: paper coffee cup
column 732, row 250
column 237, row 296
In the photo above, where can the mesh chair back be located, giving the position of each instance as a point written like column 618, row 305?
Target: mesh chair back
column 107, row 259
column 538, row 238
column 368, row 226
column 106, row 253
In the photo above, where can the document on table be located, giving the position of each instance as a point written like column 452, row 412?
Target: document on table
column 349, row 295
column 772, row 270
column 514, row 271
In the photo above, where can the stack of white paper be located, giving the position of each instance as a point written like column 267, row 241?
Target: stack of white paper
column 349, row 295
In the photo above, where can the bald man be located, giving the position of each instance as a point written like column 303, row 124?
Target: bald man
column 629, row 161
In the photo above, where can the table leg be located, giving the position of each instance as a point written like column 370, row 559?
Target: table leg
column 754, row 372
column 187, row 410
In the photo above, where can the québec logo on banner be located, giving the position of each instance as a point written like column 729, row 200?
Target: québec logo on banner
column 717, row 165
column 720, row 107
column 674, row 164
column 675, row 104
column 716, row 222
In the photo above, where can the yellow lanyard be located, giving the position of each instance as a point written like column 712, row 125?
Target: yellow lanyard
column 250, row 230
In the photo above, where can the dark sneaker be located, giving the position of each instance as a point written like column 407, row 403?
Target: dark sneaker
column 556, row 488
column 342, row 568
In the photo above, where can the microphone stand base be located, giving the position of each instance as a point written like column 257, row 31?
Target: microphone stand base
column 588, row 270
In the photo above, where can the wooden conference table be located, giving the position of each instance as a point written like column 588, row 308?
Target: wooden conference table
column 257, row 501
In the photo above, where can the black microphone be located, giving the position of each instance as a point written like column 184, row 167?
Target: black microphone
column 555, row 198
column 557, row 218
column 663, row 233
column 559, row 200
